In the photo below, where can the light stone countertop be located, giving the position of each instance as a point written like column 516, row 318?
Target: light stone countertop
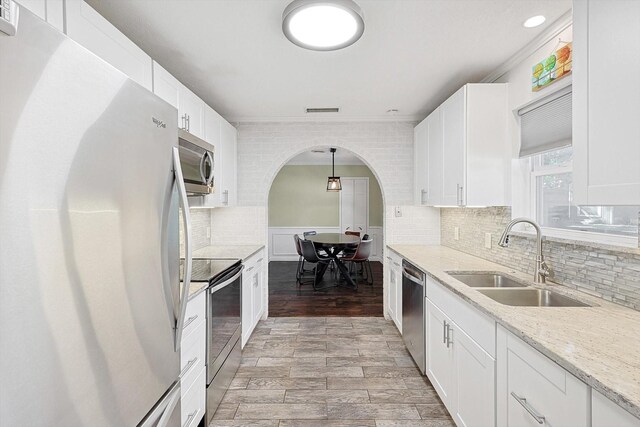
column 195, row 288
column 600, row 345
column 227, row 251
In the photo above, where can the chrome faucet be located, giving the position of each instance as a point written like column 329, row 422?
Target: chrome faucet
column 542, row 271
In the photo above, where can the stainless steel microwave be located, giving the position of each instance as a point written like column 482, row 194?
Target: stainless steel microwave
column 196, row 159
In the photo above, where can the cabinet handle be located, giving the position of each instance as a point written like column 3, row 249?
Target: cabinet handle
column 449, row 340
column 522, row 401
column 459, row 194
column 189, row 321
column 187, row 368
column 226, row 197
column 249, row 269
column 444, row 332
column 424, row 196
column 188, row 123
column 184, row 122
column 191, row 418
column 260, row 260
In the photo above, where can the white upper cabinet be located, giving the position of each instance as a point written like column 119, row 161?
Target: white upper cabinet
column 190, row 112
column 90, row 29
column 229, row 146
column 467, row 154
column 165, row 85
column 606, row 102
column 420, row 165
column 453, row 149
column 51, row 11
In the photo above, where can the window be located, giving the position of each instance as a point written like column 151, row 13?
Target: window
column 553, row 205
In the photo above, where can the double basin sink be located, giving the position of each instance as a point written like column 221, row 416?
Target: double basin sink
column 508, row 291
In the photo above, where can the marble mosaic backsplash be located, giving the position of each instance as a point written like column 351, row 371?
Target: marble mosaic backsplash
column 603, row 271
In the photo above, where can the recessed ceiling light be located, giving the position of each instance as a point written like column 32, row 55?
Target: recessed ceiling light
column 323, row 24
column 534, row 21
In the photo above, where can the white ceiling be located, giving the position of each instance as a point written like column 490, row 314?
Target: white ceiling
column 412, row 56
column 343, row 157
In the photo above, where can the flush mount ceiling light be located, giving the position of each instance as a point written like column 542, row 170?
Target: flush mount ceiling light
column 333, row 182
column 534, row 21
column 323, row 24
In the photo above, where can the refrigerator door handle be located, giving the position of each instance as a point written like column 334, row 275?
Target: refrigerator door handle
column 166, row 416
column 186, row 218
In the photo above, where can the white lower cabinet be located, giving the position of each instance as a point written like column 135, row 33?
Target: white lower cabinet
column 475, row 382
column 395, row 289
column 192, row 362
column 605, row 413
column 253, row 294
column 462, row 373
column 533, row 390
column 440, row 362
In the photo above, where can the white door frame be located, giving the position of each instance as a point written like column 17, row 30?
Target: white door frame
column 367, row 205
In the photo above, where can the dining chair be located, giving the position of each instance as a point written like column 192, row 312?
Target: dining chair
column 300, row 268
column 350, row 249
column 311, row 256
column 309, row 233
column 361, row 258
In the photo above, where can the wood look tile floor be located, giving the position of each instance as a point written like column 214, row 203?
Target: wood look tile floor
column 288, row 299
column 329, row 371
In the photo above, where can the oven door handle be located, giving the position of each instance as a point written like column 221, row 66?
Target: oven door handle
column 227, row 282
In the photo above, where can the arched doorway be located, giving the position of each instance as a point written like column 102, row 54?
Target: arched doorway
column 298, row 202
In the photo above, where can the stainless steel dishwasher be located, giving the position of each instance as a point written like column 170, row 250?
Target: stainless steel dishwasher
column 413, row 293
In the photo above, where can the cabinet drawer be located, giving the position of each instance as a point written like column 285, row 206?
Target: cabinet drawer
column 192, row 355
column 605, row 413
column 193, row 401
column 537, row 388
column 479, row 327
column 195, row 313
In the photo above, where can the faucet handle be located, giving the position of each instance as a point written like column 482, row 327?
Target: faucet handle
column 545, row 270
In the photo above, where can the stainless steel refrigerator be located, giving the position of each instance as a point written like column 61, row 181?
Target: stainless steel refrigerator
column 90, row 298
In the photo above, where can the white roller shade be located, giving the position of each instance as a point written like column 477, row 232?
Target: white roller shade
column 546, row 125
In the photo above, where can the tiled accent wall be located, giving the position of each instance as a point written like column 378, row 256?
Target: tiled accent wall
column 200, row 220
column 602, row 271
column 386, row 147
column 242, row 225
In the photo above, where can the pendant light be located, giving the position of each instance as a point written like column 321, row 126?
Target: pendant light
column 333, row 183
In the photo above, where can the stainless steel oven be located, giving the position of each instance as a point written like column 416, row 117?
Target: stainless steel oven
column 224, row 326
column 413, row 325
column 196, row 159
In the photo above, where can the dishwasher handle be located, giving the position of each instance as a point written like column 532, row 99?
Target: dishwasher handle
column 414, row 275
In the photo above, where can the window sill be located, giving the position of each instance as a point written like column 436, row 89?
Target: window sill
column 584, row 238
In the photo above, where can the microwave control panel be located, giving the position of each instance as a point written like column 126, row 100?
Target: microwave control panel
column 8, row 17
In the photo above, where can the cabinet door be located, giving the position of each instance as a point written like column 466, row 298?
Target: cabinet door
column 90, row 29
column 165, row 85
column 392, row 289
column 605, row 413
column 434, row 158
column 440, row 357
column 247, row 320
column 420, row 163
column 475, row 382
column 212, row 129
column 606, row 101
column 229, row 137
column 538, row 388
column 190, row 112
column 453, row 149
column 51, row 11
column 257, row 293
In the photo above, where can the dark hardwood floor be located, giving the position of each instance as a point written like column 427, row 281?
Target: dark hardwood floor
column 286, row 298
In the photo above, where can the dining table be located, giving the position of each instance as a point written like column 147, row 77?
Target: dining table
column 333, row 244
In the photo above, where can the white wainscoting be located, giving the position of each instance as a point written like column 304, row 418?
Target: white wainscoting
column 282, row 248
